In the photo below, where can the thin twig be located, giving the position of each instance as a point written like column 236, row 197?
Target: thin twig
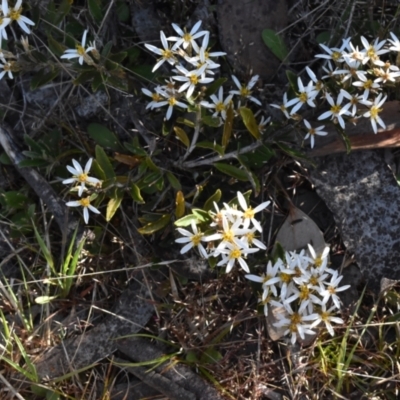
column 212, row 160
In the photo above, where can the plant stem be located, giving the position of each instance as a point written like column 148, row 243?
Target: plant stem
column 195, row 135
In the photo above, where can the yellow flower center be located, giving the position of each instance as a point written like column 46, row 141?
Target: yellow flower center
column 156, row 96
column 82, row 177
column 220, row 106
column 336, row 109
column 303, row 97
column 249, row 213
column 187, row 37
column 80, row 50
column 15, row 14
column 295, row 318
column 313, row 280
column 331, row 289
column 236, row 253
column 166, row 54
column 244, row 91
column 194, row 79
column 250, row 237
column 172, row 101
column 368, row 84
column 85, row 202
column 318, row 261
column 374, row 111
column 304, row 292
column 324, row 315
column 228, row 236
column 285, row 278
column 371, row 52
column 311, row 131
column 196, row 239
column 336, row 55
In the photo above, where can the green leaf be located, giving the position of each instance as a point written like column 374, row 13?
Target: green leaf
column 55, row 16
column 291, row 152
column 323, row 37
column 43, row 76
column 98, row 81
column 104, row 137
column 209, row 120
column 55, row 46
column 113, row 205
column 275, row 43
column 215, row 86
column 84, row 77
column 182, row 136
column 211, row 356
column 185, row 121
column 153, row 227
column 180, row 204
column 44, row 299
column 14, row 199
column 173, row 180
column 201, row 215
column 107, row 49
column 95, row 9
column 186, row 220
column 346, row 140
column 104, row 162
column 118, row 57
column 250, row 122
column 123, row 12
column 212, row 146
column 38, row 163
column 216, row 197
column 136, row 195
column 292, row 78
column 33, row 144
column 4, row 159
column 228, row 126
column 133, row 54
column 230, row 170
column 144, row 72
column 151, row 165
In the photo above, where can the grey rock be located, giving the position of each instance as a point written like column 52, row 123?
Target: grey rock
column 363, row 196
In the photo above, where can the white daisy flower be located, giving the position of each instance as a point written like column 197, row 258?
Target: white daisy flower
column 79, row 52
column 337, row 110
column 296, row 323
column 219, row 104
column 367, row 84
column 245, row 91
column 373, row 50
column 85, row 203
column 191, row 240
column 332, row 289
column 249, row 212
column 191, row 79
column 283, row 107
column 232, row 253
column 305, row 95
column 166, row 53
column 268, row 280
column 6, row 68
column 14, row 14
column 312, row 132
column 187, row 38
column 171, row 101
column 155, row 96
column 395, row 42
column 373, row 113
column 327, row 318
column 80, row 176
